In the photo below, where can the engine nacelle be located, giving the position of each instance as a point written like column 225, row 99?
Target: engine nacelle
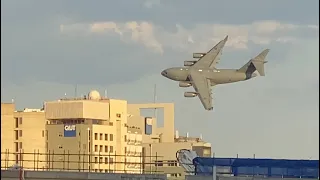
column 190, row 94
column 198, row 55
column 189, row 63
column 184, row 84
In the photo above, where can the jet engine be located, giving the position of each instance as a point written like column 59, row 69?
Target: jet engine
column 198, row 55
column 190, row 94
column 189, row 63
column 184, row 84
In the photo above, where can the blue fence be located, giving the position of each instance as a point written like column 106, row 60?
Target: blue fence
column 258, row 167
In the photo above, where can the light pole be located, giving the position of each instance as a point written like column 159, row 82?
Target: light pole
column 89, row 149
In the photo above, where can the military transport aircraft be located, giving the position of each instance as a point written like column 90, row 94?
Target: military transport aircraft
column 203, row 74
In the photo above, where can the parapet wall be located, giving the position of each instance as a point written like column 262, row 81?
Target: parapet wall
column 46, row 175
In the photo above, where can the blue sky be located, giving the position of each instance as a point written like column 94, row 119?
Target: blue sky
column 49, row 46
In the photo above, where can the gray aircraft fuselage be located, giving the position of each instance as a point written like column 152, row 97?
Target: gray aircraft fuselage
column 216, row 76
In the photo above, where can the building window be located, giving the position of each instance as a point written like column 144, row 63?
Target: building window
column 105, row 148
column 16, row 134
column 125, row 150
column 17, row 158
column 20, row 120
column 101, row 136
column 172, row 163
column 111, row 137
column 100, row 149
column 20, row 145
column 16, row 146
column 95, row 136
column 125, row 138
column 118, row 115
column 106, row 137
column 95, row 148
column 17, row 122
column 111, row 149
column 159, row 163
column 95, row 159
column 20, row 133
column 110, row 160
column 106, row 160
column 100, row 160
column 42, row 133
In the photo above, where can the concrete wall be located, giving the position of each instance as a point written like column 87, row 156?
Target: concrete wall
column 74, row 109
column 168, row 116
column 43, row 175
column 21, row 132
column 239, row 178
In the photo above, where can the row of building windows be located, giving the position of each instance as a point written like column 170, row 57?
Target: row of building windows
column 106, row 170
column 169, row 163
column 174, row 175
column 100, row 149
column 105, row 160
column 105, row 137
column 18, row 133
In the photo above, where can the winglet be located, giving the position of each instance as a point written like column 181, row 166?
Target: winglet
column 226, row 38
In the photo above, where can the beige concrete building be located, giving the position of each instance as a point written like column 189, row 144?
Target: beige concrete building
column 22, row 131
column 96, row 134
column 133, row 150
column 92, row 132
column 160, row 146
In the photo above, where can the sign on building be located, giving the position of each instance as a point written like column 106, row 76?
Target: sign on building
column 70, row 130
column 148, row 125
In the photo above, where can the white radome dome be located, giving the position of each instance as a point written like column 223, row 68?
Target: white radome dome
column 94, row 95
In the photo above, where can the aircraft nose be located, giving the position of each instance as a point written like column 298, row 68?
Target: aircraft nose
column 164, row 73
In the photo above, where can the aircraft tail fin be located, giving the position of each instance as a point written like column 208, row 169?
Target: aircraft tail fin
column 256, row 63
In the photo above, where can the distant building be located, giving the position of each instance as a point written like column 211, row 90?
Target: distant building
column 96, row 134
column 92, row 125
column 160, row 144
column 22, row 131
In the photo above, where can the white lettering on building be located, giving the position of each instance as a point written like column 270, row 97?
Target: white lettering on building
column 70, row 127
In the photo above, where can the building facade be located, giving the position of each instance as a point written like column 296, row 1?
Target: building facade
column 92, row 131
column 160, row 144
column 22, row 136
column 95, row 134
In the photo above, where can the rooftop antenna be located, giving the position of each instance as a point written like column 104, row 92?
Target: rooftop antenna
column 105, row 93
column 155, row 99
column 75, row 90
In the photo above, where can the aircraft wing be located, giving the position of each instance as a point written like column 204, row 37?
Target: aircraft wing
column 212, row 57
column 202, row 86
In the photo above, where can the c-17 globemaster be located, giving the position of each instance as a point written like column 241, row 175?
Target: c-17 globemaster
column 203, row 74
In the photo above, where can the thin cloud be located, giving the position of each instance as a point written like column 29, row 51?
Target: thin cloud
column 202, row 36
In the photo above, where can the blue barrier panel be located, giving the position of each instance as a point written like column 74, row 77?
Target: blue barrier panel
column 262, row 167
